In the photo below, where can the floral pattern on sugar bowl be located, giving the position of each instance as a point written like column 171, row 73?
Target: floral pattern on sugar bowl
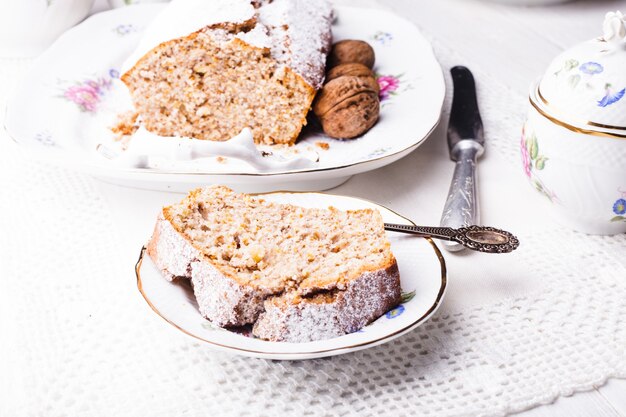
column 619, row 208
column 577, row 113
column 89, row 92
column 533, row 161
column 611, row 95
column 582, row 75
column 591, row 68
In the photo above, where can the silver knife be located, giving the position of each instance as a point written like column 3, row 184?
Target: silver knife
column 466, row 144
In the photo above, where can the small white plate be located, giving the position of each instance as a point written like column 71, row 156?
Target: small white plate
column 72, row 94
column 422, row 276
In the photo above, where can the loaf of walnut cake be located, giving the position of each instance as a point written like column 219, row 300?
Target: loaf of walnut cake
column 207, row 69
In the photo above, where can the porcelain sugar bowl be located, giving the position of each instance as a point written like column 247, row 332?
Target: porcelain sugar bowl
column 573, row 143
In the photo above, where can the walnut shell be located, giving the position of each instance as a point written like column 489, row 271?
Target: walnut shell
column 352, row 69
column 347, row 106
column 351, row 51
column 339, row 89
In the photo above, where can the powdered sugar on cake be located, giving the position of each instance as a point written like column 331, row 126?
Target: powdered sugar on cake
column 365, row 299
column 302, row 50
column 182, row 17
column 273, row 22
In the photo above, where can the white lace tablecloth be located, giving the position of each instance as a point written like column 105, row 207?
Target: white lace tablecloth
column 518, row 330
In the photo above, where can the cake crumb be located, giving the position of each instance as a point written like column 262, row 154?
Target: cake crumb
column 322, row 145
column 221, row 159
column 125, row 125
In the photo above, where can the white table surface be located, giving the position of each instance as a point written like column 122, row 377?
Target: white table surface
column 521, row 43
column 510, row 44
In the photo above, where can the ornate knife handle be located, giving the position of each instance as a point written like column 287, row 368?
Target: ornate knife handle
column 478, row 238
column 461, row 208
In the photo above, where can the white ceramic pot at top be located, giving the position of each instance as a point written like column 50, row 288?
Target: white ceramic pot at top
column 573, row 144
column 28, row 27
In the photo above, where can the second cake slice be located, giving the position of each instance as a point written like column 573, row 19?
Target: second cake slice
column 299, row 273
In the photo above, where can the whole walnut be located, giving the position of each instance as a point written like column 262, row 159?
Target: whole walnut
column 352, row 69
column 347, row 106
column 351, row 51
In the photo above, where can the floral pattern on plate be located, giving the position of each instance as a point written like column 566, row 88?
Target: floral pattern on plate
column 395, row 312
column 45, row 138
column 382, row 38
column 391, row 85
column 88, row 93
column 125, row 29
column 378, row 152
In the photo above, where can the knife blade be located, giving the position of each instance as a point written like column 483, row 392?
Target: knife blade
column 466, row 145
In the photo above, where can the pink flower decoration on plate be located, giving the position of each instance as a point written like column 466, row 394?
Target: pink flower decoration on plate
column 87, row 94
column 388, row 85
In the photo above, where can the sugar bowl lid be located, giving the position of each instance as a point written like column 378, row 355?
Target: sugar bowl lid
column 586, row 85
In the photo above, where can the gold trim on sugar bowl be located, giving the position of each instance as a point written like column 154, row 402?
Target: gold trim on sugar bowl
column 588, row 123
column 557, row 118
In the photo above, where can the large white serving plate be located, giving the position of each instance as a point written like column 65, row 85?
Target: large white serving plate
column 67, row 101
column 422, row 274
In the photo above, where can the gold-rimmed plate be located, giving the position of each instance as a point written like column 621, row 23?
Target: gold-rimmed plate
column 422, row 274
